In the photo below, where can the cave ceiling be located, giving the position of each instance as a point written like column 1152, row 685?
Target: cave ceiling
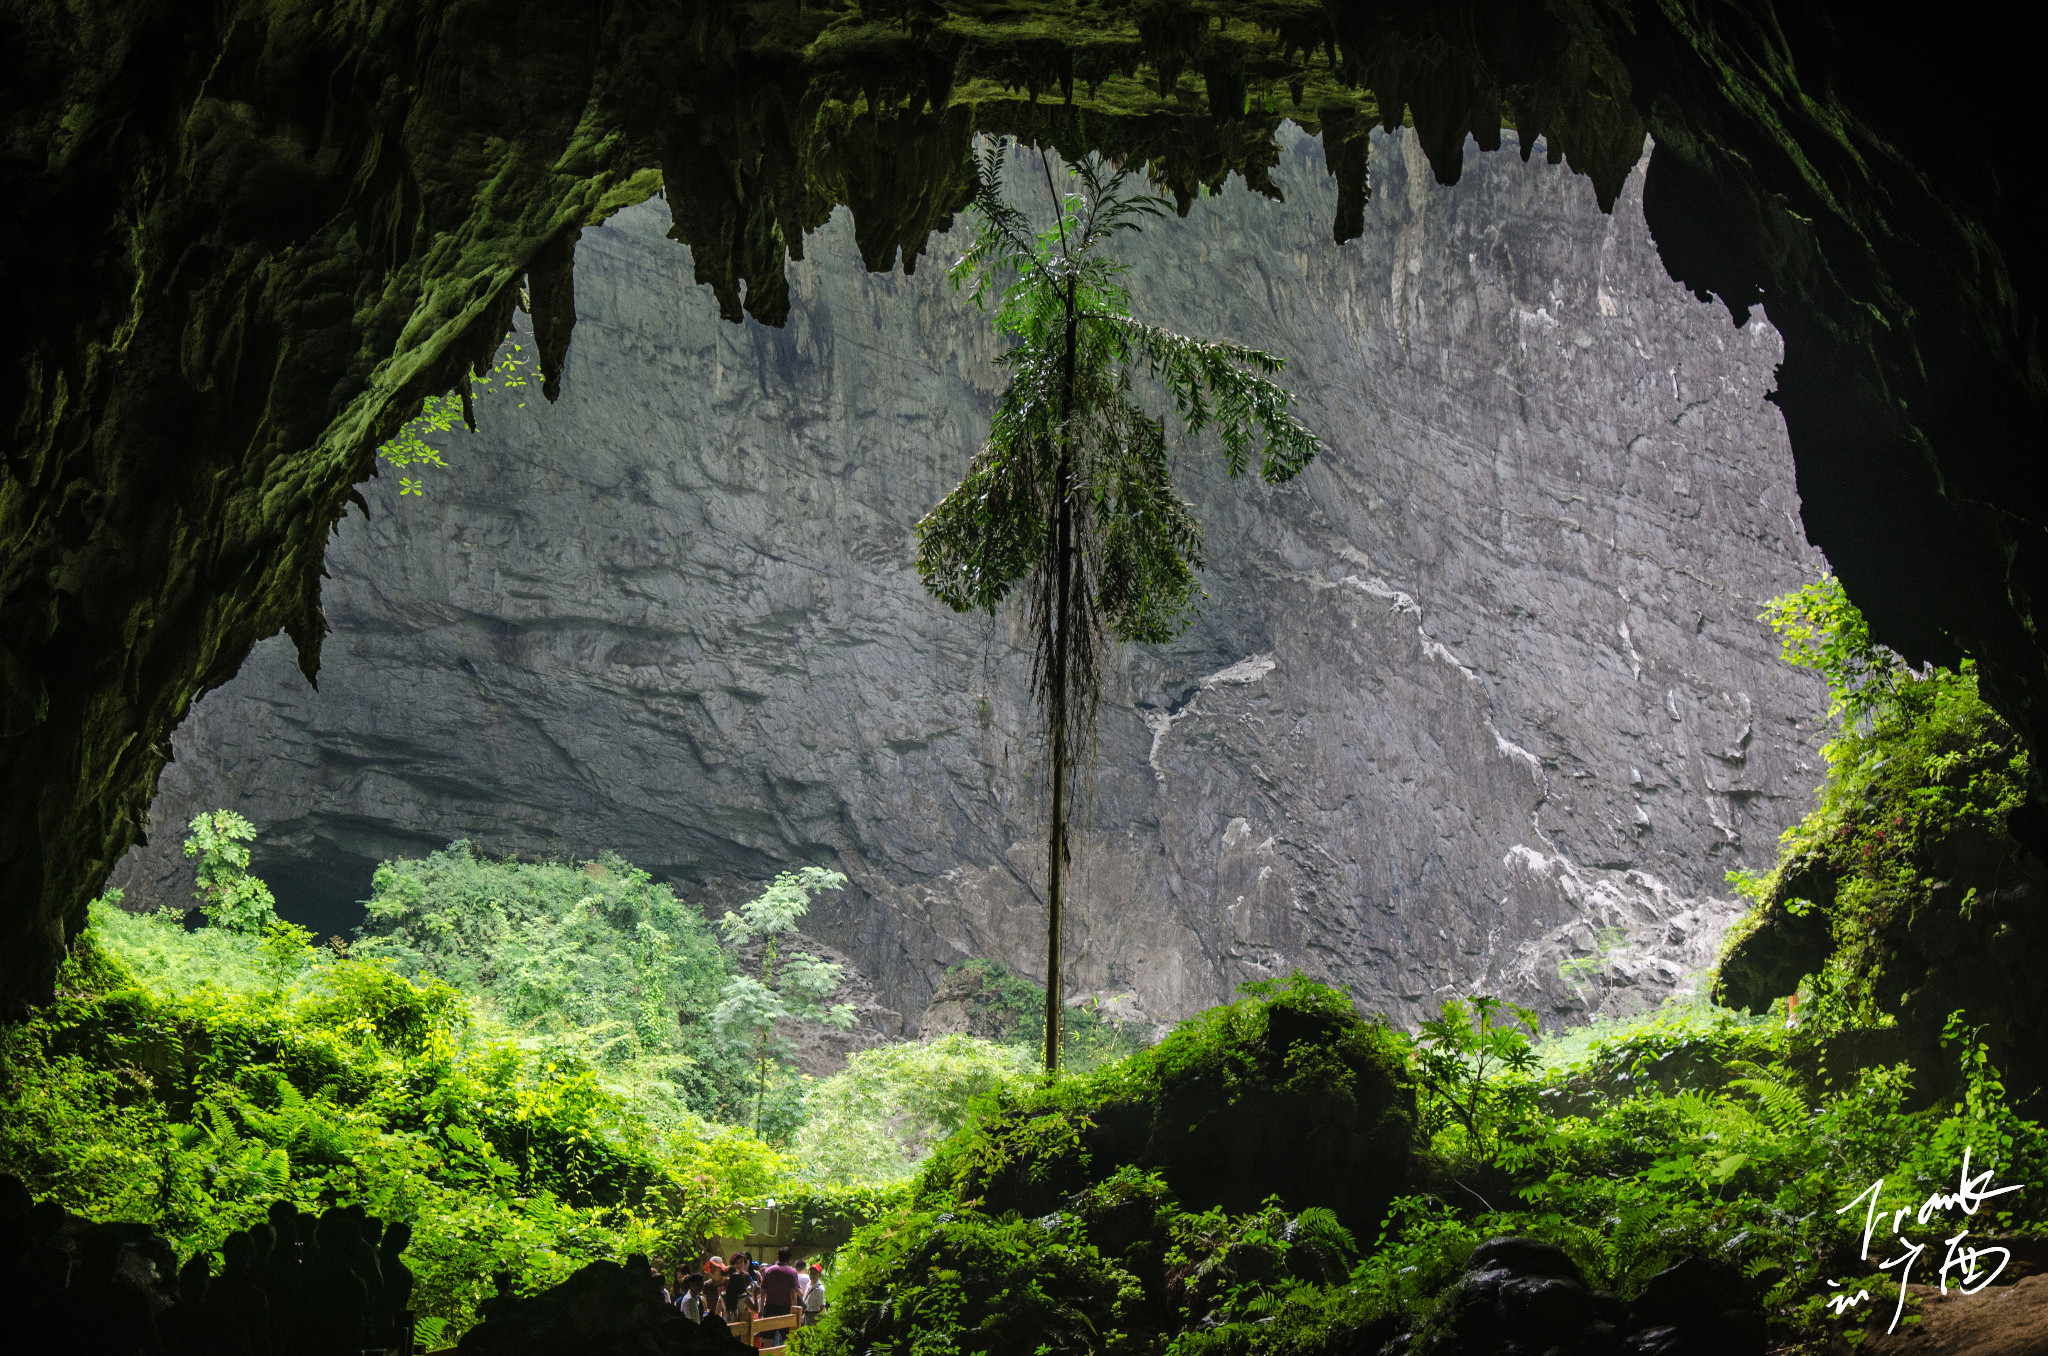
column 243, row 241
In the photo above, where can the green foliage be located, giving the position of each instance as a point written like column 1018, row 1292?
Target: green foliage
column 158, row 953
column 285, row 952
column 826, row 1214
column 927, row 1284
column 442, row 413
column 224, row 1072
column 1818, row 628
column 1467, row 1061
column 231, row 897
column 1280, row 1095
column 1922, row 780
column 876, row 1119
column 1699, row 1130
column 792, row 990
column 1690, row 1130
column 1685, row 1043
column 593, row 960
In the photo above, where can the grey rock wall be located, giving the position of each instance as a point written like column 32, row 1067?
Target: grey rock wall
column 1476, row 703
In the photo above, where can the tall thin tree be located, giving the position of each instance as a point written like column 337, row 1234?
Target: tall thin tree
column 1072, row 497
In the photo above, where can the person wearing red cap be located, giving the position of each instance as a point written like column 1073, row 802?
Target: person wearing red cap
column 814, row 1296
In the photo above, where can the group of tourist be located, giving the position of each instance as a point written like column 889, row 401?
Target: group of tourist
column 295, row 1285
column 298, row 1284
column 738, row 1288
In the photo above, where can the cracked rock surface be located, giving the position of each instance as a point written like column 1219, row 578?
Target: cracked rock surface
column 1477, row 702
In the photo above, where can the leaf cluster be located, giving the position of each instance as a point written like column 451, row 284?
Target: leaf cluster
column 1069, row 429
column 795, row 989
column 439, row 414
column 230, row 896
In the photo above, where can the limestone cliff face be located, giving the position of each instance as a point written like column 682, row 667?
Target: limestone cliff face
column 1476, row 703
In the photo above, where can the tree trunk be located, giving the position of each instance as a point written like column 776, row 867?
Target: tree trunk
column 761, row 1063
column 1056, row 837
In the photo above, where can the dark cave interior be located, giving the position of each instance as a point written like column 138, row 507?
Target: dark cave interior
column 243, row 242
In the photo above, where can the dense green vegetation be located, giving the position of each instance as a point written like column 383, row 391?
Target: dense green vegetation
column 529, row 1062
column 594, row 962
column 522, row 1059
column 1134, row 1209
column 190, row 1078
column 1905, row 896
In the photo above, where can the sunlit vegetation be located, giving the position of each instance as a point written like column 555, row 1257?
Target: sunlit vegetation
column 224, row 1071
column 441, row 414
column 1690, row 1131
column 526, row 1060
column 543, row 1064
column 594, row 962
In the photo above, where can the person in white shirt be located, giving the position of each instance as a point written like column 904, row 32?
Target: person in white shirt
column 814, row 1294
column 692, row 1301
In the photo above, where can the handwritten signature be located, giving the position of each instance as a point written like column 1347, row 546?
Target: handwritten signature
column 1966, row 1263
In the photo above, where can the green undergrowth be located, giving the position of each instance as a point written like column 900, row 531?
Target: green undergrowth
column 1092, row 1214
column 1882, row 997
column 188, row 1079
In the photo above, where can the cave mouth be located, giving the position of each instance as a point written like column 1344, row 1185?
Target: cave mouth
column 670, row 614
column 247, row 242
column 243, row 266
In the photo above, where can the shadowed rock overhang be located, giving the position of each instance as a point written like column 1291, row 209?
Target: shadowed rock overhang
column 242, row 242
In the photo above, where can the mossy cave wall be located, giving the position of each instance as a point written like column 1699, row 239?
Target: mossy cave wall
column 243, row 241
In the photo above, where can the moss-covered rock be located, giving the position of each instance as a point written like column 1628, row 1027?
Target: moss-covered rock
column 1115, row 1210
column 1906, row 898
column 1285, row 1094
column 1787, row 938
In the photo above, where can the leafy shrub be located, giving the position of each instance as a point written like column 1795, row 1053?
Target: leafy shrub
column 1459, row 1048
column 193, row 1104
column 1284, row 1093
column 924, row 1284
column 595, row 960
column 877, row 1118
column 232, row 897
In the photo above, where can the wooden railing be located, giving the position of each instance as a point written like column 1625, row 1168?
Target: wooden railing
column 747, row 1329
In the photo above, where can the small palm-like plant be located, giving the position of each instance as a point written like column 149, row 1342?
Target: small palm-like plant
column 1071, row 498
